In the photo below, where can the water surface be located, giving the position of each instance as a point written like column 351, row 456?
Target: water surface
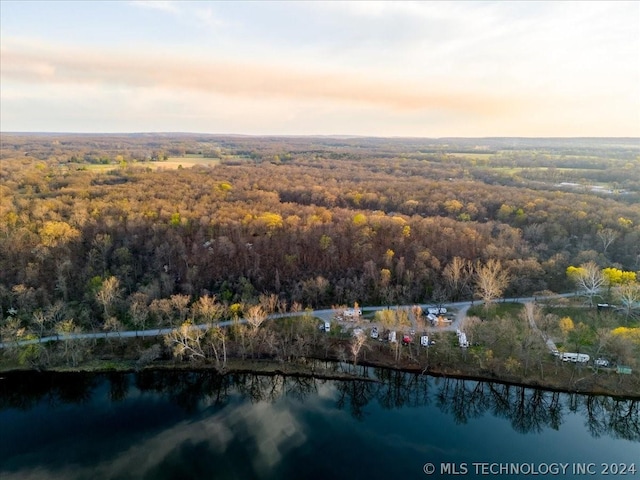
column 177, row 425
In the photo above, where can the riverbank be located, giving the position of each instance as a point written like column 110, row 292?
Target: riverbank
column 567, row 378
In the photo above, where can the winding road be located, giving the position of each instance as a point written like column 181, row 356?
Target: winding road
column 324, row 315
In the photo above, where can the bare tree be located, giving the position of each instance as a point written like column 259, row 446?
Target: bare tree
column 491, row 280
column 439, row 296
column 588, row 278
column 112, row 324
column 629, row 296
column 138, row 310
column 73, row 348
column 208, row 310
column 162, row 311
column 181, row 304
column 418, row 318
column 186, row 342
column 356, row 344
column 458, row 275
column 255, row 318
column 11, row 330
column 607, row 236
column 41, row 322
column 269, row 303
column 108, row 293
column 217, row 341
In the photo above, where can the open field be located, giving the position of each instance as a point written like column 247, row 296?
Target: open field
column 171, row 163
column 184, row 162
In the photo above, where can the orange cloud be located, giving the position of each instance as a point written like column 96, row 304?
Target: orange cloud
column 45, row 64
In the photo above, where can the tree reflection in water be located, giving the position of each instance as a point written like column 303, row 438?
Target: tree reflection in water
column 529, row 410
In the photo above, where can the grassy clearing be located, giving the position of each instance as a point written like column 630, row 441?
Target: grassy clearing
column 172, row 163
column 576, row 313
column 497, row 310
column 96, row 167
column 470, row 155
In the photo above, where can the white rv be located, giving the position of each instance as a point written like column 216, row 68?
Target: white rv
column 575, row 357
column 392, row 336
column 436, row 310
column 351, row 312
column 462, row 339
column 424, row 340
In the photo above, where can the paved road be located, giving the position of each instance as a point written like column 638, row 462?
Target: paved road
column 325, row 315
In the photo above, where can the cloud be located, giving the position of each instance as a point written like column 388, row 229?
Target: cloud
column 268, row 431
column 162, row 5
column 32, row 63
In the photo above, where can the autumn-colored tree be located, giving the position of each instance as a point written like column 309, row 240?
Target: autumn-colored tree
column 490, row 281
column 566, row 325
column 615, row 276
column 458, row 274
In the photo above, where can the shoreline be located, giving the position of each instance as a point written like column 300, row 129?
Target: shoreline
column 299, row 369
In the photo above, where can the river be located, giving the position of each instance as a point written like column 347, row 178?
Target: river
column 182, row 425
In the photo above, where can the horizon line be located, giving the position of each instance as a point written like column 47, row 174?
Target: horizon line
column 333, row 135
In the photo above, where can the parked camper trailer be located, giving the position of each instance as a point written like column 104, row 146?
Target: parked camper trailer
column 436, row 310
column 424, row 340
column 392, row 336
column 351, row 312
column 575, row 357
column 462, row 339
column 374, row 332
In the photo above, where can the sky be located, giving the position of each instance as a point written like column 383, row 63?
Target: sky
column 401, row 69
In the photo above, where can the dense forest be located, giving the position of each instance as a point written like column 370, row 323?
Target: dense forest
column 100, row 227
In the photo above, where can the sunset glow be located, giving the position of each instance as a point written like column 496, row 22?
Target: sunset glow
column 428, row 69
